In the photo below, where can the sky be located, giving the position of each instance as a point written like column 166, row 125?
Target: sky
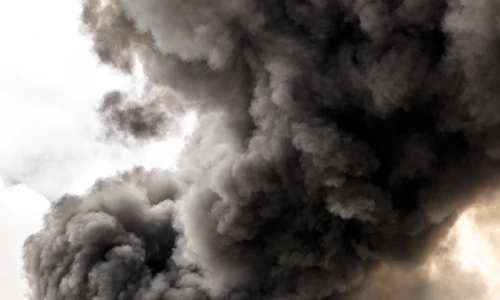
column 51, row 140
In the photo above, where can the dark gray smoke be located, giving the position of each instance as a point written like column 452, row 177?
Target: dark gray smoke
column 333, row 136
column 147, row 114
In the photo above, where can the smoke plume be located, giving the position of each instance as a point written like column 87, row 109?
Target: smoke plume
column 334, row 136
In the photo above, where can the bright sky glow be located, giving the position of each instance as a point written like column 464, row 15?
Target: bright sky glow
column 478, row 244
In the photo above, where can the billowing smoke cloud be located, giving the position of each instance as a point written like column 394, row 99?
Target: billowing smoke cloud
column 333, row 136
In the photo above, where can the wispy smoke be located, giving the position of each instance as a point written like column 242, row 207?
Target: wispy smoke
column 150, row 116
column 333, row 136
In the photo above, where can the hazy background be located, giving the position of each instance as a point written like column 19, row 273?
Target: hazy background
column 50, row 138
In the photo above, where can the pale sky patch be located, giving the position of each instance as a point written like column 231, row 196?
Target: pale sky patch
column 20, row 215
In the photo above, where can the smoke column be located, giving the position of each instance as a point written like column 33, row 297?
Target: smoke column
column 333, row 137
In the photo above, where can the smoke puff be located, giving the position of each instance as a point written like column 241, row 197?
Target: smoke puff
column 146, row 119
column 333, row 136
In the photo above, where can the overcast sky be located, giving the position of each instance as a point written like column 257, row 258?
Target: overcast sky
column 50, row 84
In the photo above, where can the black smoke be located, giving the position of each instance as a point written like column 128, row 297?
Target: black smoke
column 333, row 136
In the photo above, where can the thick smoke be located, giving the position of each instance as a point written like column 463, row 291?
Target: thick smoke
column 150, row 116
column 333, row 137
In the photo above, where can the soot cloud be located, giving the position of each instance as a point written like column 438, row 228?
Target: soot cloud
column 333, row 136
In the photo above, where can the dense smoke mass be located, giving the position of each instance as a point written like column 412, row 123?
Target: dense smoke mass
column 334, row 136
